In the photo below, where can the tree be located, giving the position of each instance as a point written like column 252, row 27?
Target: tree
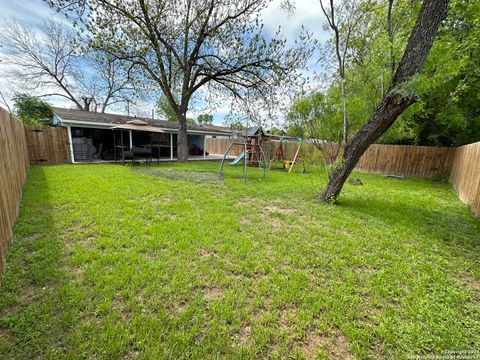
column 205, row 119
column 52, row 63
column 343, row 21
column 397, row 99
column 32, row 110
column 315, row 116
column 185, row 46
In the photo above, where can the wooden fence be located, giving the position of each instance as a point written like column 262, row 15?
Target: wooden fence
column 218, row 146
column 424, row 161
column 465, row 175
column 381, row 159
column 14, row 164
column 47, row 145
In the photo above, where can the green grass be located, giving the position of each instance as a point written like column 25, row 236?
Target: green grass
column 168, row 262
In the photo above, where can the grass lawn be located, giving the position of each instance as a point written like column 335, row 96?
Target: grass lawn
column 169, row 262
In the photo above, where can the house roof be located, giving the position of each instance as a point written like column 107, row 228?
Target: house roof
column 88, row 117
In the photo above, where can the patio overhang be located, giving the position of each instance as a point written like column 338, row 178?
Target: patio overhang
column 140, row 128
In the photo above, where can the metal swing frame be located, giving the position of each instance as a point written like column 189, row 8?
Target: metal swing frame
column 262, row 159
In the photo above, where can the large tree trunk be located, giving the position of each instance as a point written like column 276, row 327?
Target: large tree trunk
column 182, row 144
column 395, row 101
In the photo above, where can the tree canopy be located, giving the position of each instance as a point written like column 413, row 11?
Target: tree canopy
column 52, row 61
column 187, row 47
column 447, row 91
column 32, row 110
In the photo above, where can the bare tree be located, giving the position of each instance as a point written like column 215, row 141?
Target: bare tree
column 397, row 99
column 51, row 63
column 343, row 20
column 185, row 45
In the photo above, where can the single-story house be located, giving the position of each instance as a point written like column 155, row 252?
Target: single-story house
column 96, row 136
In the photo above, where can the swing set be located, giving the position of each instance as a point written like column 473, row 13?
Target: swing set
column 253, row 153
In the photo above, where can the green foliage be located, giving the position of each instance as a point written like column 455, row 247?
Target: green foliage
column 311, row 156
column 167, row 113
column 32, row 110
column 165, row 110
column 337, row 165
column 169, row 261
column 447, row 90
column 313, row 116
column 205, row 119
column 236, row 125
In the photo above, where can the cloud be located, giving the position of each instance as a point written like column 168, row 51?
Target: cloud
column 307, row 13
column 32, row 12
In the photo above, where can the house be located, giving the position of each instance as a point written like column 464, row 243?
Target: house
column 107, row 137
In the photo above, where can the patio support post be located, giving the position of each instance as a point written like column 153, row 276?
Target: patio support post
column 70, row 142
column 204, row 143
column 131, row 139
column 171, row 146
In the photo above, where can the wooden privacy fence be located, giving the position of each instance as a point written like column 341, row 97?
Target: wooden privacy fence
column 14, row 164
column 406, row 160
column 465, row 175
column 382, row 159
column 47, row 145
column 218, row 146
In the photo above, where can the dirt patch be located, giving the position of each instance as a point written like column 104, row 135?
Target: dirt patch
column 212, row 293
column 244, row 335
column 162, row 201
column 246, row 221
column 182, row 175
column 277, row 224
column 469, row 282
column 29, row 291
column 78, row 272
column 247, row 201
column 34, row 236
column 178, row 306
column 5, row 335
column 122, row 310
column 152, row 255
column 334, row 345
column 287, row 318
column 207, row 253
column 364, row 269
column 275, row 209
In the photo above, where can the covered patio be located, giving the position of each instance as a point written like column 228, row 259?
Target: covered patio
column 95, row 137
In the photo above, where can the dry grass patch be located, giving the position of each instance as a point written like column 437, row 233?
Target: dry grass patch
column 244, row 335
column 212, row 293
column 469, row 282
column 334, row 345
column 5, row 335
column 276, row 209
column 207, row 253
column 178, row 306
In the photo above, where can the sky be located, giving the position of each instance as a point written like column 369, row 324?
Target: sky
column 306, row 13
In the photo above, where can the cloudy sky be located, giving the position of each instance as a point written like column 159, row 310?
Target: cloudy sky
column 307, row 13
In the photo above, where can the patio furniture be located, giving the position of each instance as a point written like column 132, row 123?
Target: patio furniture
column 137, row 152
